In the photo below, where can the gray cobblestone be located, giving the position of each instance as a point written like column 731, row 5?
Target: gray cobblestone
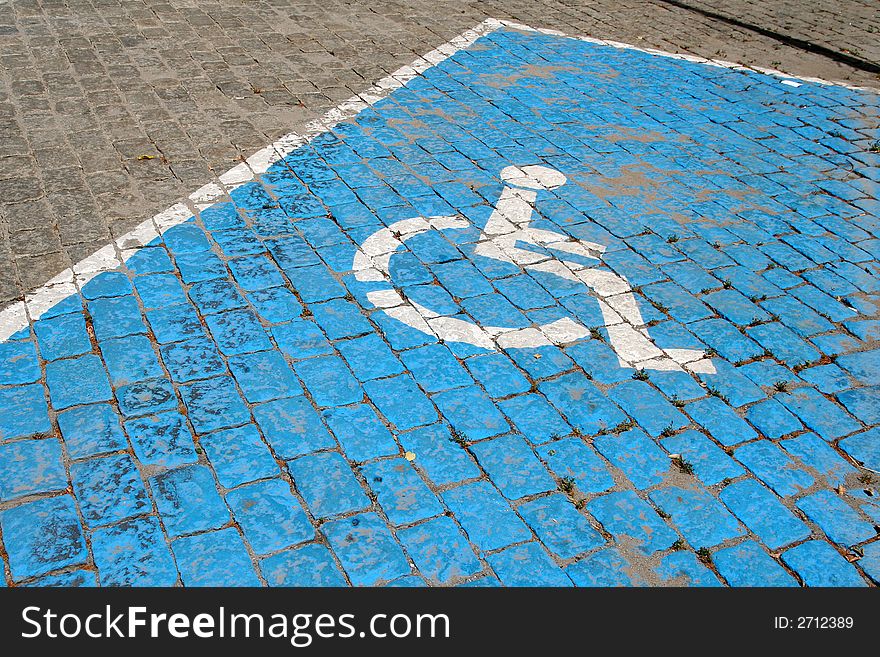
column 851, row 27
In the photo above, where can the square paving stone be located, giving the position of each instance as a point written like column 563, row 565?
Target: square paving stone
column 440, row 550
column 315, row 283
column 133, row 553
column 292, row 427
column 366, row 549
column 269, row 515
column 216, row 296
column 130, row 359
column 711, row 464
column 146, row 397
column 329, row 381
column 275, row 304
column 76, row 381
column 435, row 368
column 163, row 440
column 239, row 455
column 18, row 363
column 62, row 336
column 327, row 483
column 198, row 267
column 471, row 412
column 91, row 430
column 42, row 536
column 116, row 318
column 647, row 407
column 819, row 564
column 174, row 323
column 263, row 376
column 214, row 404
column 109, row 489
column 214, row 559
column 188, row 500
column 699, row 516
column 310, row 565
column 571, row 457
column 603, row 568
column 340, row 319
column 720, row 421
column 763, row 513
column 401, row 493
column 191, row 359
column 513, row 467
column 486, row 516
column 527, row 565
column 255, row 272
column 560, row 527
column 237, row 332
column 158, row 290
column 437, row 455
column 748, row 564
column 107, row 284
column 25, row 412
column 301, row 338
column 534, row 417
column 582, row 404
column 541, row 362
column 637, row 455
column 497, row 374
column 400, row 400
column 369, row 357
column 150, row 260
column 360, row 432
column 632, row 520
column 599, row 361
column 31, row 466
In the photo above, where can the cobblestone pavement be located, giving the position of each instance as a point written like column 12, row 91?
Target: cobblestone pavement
column 849, row 27
column 555, row 312
column 112, row 111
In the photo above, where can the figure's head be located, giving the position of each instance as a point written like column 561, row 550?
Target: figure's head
column 532, row 176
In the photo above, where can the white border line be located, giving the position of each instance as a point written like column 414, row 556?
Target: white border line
column 19, row 314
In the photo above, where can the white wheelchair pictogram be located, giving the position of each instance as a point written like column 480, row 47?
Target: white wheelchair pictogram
column 505, row 233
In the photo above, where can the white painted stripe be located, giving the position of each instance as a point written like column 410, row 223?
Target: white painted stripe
column 16, row 316
column 564, row 331
column 37, row 304
column 13, row 318
column 702, row 366
column 385, row 298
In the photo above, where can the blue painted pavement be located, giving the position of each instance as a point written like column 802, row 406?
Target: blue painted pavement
column 553, row 313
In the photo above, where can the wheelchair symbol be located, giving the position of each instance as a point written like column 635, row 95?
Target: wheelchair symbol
column 503, row 237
